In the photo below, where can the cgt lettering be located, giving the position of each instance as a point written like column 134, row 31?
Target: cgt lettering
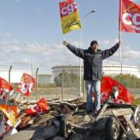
column 135, row 20
column 69, row 9
column 25, row 87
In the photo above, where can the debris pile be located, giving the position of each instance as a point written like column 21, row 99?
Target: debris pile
column 67, row 120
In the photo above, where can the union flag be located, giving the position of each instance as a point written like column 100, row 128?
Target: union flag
column 40, row 107
column 129, row 16
column 10, row 112
column 5, row 88
column 69, row 16
column 26, row 84
column 107, row 84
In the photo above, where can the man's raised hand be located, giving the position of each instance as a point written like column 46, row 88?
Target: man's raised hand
column 65, row 43
column 119, row 43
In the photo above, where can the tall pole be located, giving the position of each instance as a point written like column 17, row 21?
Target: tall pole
column 80, row 45
column 120, row 52
column 31, row 65
column 62, row 85
column 9, row 80
column 37, row 83
column 80, row 72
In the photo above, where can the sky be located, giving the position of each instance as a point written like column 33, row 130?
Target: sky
column 31, row 36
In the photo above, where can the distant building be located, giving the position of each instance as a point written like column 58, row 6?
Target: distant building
column 15, row 74
column 45, row 78
column 107, row 69
column 126, row 69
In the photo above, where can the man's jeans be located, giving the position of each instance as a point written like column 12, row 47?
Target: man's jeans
column 93, row 87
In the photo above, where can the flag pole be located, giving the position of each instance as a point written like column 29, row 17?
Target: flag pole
column 80, row 46
column 120, row 48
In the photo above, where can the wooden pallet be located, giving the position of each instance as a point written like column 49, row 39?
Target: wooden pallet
column 133, row 134
column 101, row 112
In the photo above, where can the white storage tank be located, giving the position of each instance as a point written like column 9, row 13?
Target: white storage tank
column 15, row 74
column 107, row 69
column 45, row 79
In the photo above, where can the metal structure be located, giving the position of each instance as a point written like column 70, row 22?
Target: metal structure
column 10, row 74
column 37, row 83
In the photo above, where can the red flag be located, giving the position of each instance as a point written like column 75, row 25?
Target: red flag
column 42, row 103
column 5, row 88
column 129, row 16
column 40, row 107
column 10, row 112
column 26, row 85
column 69, row 1
column 107, row 85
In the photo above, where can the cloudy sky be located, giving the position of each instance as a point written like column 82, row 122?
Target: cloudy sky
column 30, row 33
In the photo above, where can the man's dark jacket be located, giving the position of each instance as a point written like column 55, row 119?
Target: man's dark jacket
column 92, row 60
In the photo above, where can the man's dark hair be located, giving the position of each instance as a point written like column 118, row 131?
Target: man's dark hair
column 93, row 42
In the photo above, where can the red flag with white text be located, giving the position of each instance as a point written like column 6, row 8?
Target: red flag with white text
column 129, row 16
column 26, row 84
column 5, row 88
column 107, row 85
column 40, row 107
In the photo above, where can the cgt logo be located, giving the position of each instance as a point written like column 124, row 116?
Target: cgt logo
column 25, row 87
column 69, row 9
column 133, row 20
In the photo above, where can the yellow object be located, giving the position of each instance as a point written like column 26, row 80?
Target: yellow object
column 10, row 112
column 70, row 23
column 69, row 17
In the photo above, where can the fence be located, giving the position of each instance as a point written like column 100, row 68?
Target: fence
column 67, row 86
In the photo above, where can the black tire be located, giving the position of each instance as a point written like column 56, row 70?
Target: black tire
column 113, row 130
column 76, row 137
column 63, row 127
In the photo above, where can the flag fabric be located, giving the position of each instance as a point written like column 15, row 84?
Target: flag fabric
column 40, row 107
column 107, row 84
column 69, row 1
column 26, row 84
column 69, row 16
column 42, row 103
column 10, row 112
column 5, row 88
column 129, row 16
